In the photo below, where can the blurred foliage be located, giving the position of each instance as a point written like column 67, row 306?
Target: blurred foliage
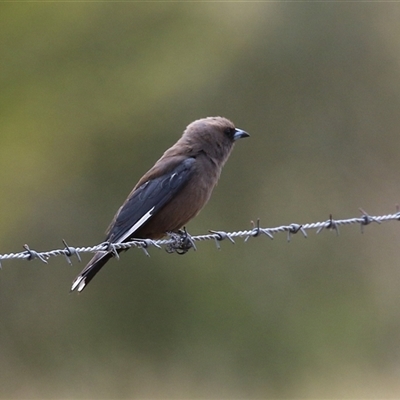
column 93, row 93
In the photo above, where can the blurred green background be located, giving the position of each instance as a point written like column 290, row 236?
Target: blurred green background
column 93, row 93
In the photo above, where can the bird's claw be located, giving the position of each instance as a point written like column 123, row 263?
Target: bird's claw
column 181, row 243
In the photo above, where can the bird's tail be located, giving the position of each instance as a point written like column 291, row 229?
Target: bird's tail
column 91, row 269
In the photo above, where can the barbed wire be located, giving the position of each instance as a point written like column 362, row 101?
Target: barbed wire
column 182, row 242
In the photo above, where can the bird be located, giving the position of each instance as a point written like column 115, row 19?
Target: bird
column 172, row 192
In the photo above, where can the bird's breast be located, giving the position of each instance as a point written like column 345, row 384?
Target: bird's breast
column 186, row 204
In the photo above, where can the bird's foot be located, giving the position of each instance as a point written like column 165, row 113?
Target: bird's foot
column 181, row 243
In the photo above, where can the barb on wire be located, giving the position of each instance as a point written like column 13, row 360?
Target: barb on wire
column 180, row 243
column 293, row 229
column 219, row 236
column 330, row 224
column 69, row 252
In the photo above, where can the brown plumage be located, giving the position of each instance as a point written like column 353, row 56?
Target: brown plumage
column 173, row 191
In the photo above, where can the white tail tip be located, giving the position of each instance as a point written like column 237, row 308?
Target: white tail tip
column 79, row 283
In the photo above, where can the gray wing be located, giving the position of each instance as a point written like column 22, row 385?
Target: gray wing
column 147, row 200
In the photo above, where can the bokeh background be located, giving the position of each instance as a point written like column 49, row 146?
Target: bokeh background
column 93, row 93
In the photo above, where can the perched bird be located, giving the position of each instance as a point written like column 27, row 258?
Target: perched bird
column 173, row 191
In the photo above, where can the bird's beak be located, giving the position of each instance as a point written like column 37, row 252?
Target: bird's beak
column 239, row 134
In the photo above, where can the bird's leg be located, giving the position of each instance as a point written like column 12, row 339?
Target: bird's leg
column 182, row 242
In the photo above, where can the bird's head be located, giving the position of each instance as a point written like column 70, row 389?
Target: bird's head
column 213, row 136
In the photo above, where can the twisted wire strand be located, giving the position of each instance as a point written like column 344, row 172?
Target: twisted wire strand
column 174, row 242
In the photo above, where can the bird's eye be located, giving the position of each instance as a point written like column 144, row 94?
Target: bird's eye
column 230, row 132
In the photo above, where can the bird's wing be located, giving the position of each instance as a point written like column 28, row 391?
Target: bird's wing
column 147, row 199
